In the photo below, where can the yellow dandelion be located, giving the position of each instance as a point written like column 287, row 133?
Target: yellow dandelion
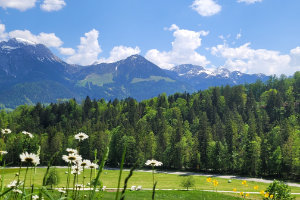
column 271, row 196
column 234, row 189
column 244, row 182
column 262, row 192
column 247, row 195
column 208, row 179
column 242, row 193
column 267, row 195
column 255, row 187
column 216, row 183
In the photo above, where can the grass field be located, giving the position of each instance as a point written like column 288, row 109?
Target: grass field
column 165, row 181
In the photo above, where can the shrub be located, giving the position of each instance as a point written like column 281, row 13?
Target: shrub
column 278, row 190
column 53, row 178
column 188, row 182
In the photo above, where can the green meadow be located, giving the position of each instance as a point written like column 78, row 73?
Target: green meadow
column 109, row 179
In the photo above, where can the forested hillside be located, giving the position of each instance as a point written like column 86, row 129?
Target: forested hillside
column 246, row 129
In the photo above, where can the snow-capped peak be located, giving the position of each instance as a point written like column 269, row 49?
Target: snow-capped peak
column 24, row 41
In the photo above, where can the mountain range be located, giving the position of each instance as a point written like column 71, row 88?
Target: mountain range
column 31, row 73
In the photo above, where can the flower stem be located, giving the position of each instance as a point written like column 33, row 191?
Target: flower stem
column 24, row 181
column 68, row 179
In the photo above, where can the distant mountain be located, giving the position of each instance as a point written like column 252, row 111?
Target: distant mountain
column 134, row 76
column 201, row 78
column 31, row 73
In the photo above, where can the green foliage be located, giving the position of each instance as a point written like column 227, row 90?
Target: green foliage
column 188, row 182
column 52, row 178
column 253, row 128
column 279, row 190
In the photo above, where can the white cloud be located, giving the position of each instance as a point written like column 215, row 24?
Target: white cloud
column 295, row 51
column 48, row 39
column 119, row 53
column 88, row 50
column 52, row 5
column 21, row 5
column 249, row 1
column 246, row 59
column 295, row 56
column 206, row 7
column 3, row 34
column 66, row 51
column 183, row 51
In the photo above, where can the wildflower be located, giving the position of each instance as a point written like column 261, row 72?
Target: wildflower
column 255, row 187
column 81, row 136
column 35, row 197
column 216, row 183
column 153, row 163
column 267, row 195
column 76, row 169
column 3, row 153
column 17, row 191
column 30, row 158
column 14, row 184
column 5, row 131
column 234, row 189
column 72, row 158
column 84, row 163
column 93, row 166
column 247, row 195
column 271, row 196
column 244, row 182
column 208, row 180
column 61, row 191
column 242, row 193
column 27, row 133
column 71, row 151
column 262, row 192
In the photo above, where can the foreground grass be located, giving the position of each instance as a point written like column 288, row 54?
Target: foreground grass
column 160, row 195
column 165, row 181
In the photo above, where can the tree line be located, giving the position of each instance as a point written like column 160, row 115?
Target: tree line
column 250, row 129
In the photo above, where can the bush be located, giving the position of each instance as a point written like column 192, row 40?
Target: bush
column 279, row 190
column 53, row 178
column 188, row 182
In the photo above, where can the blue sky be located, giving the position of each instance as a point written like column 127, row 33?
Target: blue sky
column 252, row 36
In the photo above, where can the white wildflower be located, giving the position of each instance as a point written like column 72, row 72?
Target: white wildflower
column 5, row 131
column 93, row 166
column 30, row 158
column 14, row 184
column 76, row 169
column 153, row 163
column 17, row 191
column 27, row 133
column 3, row 153
column 72, row 158
column 81, row 136
column 34, row 197
column 71, row 151
column 85, row 163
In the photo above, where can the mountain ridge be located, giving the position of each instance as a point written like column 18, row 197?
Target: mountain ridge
column 26, row 67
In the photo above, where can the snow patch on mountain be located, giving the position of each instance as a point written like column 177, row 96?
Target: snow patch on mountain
column 25, row 42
